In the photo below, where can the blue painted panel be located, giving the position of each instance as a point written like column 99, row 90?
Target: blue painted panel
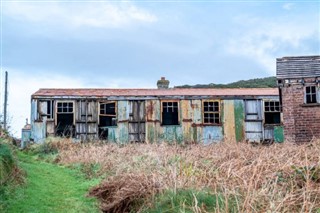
column 172, row 134
column 25, row 137
column 212, row 134
column 39, row 131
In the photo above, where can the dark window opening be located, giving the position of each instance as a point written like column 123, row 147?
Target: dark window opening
column 272, row 112
column 107, row 121
column 311, row 94
column 211, row 113
column 108, row 114
column 65, row 118
column 170, row 113
column 65, row 127
column 50, row 109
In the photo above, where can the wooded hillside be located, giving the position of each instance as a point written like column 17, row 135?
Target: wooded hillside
column 252, row 83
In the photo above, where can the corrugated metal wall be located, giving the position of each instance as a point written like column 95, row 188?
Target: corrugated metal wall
column 240, row 120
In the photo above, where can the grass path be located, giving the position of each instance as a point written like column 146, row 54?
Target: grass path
column 51, row 188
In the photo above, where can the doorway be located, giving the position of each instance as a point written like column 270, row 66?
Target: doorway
column 137, row 122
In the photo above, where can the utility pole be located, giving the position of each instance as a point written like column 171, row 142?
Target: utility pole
column 5, row 102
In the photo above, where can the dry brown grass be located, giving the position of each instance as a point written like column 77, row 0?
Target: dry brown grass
column 277, row 178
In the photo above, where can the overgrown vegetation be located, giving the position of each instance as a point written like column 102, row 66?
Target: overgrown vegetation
column 252, row 83
column 45, row 187
column 224, row 177
column 239, row 177
column 10, row 175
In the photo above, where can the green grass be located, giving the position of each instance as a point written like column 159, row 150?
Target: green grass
column 188, row 200
column 51, row 188
column 6, row 162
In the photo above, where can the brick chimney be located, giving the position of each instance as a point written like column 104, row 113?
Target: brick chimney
column 163, row 83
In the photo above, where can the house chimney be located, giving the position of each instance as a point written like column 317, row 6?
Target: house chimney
column 163, row 83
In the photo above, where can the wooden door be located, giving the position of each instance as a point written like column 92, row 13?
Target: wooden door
column 254, row 127
column 137, row 123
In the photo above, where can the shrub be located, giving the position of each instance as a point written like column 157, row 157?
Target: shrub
column 7, row 163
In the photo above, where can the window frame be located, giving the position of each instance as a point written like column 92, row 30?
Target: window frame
column 162, row 108
column 316, row 93
column 270, row 110
column 203, row 112
column 108, row 115
column 50, row 113
column 56, row 110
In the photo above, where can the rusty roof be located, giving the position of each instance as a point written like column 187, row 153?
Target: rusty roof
column 157, row 92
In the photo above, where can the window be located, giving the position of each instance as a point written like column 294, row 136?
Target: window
column 272, row 112
column 107, row 114
column 65, row 119
column 170, row 113
column 211, row 112
column 64, row 107
column 50, row 109
column 311, row 94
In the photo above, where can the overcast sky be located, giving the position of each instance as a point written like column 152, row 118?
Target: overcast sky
column 131, row 44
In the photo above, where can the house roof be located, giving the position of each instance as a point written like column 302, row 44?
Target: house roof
column 100, row 93
column 298, row 67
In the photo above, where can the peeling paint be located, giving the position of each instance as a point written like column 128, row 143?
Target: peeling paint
column 191, row 128
column 239, row 119
column 278, row 134
column 229, row 120
column 212, row 134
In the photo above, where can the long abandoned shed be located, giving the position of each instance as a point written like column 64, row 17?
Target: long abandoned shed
column 156, row 115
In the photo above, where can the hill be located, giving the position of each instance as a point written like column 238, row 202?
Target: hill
column 252, row 83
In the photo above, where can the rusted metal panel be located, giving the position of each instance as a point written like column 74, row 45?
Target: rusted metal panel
column 229, row 120
column 191, row 114
column 153, row 112
column 154, row 93
column 212, row 134
column 186, row 121
column 39, row 131
column 253, row 126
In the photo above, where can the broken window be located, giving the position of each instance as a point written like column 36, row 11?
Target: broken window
column 65, row 118
column 107, row 114
column 50, row 109
column 211, row 112
column 311, row 94
column 272, row 112
column 170, row 113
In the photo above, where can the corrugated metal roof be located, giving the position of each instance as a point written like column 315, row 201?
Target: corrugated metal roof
column 298, row 67
column 156, row 92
